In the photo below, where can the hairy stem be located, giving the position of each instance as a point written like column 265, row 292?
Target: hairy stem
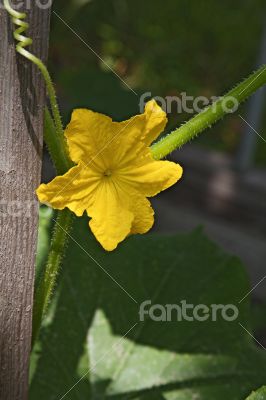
column 209, row 115
column 57, row 147
column 47, row 284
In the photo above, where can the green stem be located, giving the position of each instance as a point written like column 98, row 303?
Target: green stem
column 47, row 284
column 57, row 146
column 63, row 224
column 209, row 115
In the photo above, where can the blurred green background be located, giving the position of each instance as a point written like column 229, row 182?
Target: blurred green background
column 201, row 47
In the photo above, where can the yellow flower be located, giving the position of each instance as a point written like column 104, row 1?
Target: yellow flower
column 114, row 175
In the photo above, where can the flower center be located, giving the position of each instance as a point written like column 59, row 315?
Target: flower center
column 107, row 173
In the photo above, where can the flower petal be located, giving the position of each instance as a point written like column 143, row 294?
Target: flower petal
column 102, row 143
column 156, row 120
column 139, row 132
column 74, row 190
column 89, row 135
column 143, row 215
column 152, row 177
column 111, row 218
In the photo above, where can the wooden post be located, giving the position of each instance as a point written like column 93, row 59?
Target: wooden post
column 22, row 100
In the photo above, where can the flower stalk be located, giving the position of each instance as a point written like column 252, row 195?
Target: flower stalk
column 45, row 289
column 209, row 115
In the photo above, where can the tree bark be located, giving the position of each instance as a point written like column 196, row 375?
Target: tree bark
column 22, row 100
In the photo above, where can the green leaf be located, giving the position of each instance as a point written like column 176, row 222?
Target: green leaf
column 96, row 341
column 258, row 395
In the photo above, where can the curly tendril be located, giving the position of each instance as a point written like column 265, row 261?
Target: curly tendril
column 17, row 19
column 24, row 41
